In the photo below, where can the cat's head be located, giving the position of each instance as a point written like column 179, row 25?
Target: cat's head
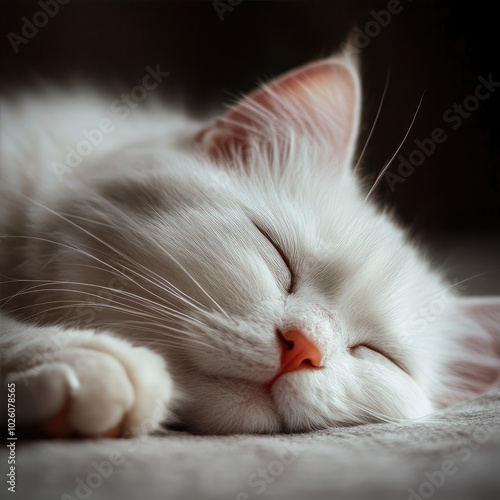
column 273, row 237
column 260, row 257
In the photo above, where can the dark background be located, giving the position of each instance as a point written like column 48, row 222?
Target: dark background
column 451, row 202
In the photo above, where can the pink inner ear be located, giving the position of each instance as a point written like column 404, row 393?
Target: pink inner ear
column 480, row 369
column 486, row 312
column 319, row 100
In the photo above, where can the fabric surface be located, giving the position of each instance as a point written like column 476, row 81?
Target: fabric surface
column 455, row 456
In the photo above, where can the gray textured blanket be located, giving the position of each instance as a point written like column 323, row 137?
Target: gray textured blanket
column 454, row 457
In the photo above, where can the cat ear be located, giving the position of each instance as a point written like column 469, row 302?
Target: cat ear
column 320, row 101
column 479, row 369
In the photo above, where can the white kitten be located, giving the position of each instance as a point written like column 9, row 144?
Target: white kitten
column 241, row 252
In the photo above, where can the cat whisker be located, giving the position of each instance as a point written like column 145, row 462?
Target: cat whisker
column 162, row 331
column 104, row 200
column 71, row 304
column 184, row 298
column 89, row 220
column 111, row 247
column 159, row 281
column 158, row 308
column 388, row 164
column 163, row 251
column 161, row 310
column 470, row 278
column 195, row 282
column 374, row 121
column 392, row 419
column 373, row 413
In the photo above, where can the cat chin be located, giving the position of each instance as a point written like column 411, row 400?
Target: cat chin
column 235, row 406
column 229, row 406
column 294, row 403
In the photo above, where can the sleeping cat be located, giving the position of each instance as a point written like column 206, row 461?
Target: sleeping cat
column 228, row 276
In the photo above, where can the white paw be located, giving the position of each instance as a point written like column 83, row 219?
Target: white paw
column 94, row 385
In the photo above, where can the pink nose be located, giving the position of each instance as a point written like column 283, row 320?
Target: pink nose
column 297, row 353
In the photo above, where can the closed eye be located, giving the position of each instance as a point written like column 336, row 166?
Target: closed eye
column 378, row 351
column 292, row 285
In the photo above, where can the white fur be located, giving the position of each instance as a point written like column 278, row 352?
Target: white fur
column 152, row 240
